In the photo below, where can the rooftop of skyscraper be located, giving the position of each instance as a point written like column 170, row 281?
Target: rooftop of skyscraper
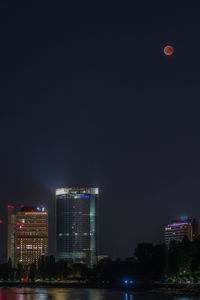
column 77, row 190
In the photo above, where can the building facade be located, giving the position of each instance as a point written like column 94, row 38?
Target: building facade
column 76, row 224
column 27, row 234
column 180, row 228
column 31, row 234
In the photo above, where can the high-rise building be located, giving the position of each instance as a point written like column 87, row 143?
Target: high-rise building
column 31, row 234
column 76, row 224
column 11, row 252
column 27, row 234
column 180, row 228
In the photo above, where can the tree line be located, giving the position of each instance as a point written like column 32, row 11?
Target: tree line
column 155, row 263
column 150, row 263
column 46, row 269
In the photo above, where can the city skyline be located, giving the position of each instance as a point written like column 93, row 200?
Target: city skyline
column 176, row 230
column 89, row 98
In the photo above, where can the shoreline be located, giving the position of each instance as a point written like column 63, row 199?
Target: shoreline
column 189, row 290
column 170, row 289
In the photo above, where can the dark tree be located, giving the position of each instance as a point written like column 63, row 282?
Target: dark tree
column 33, row 271
column 10, row 263
column 143, row 256
column 186, row 252
column 159, row 262
column 20, row 272
column 42, row 268
column 60, row 269
column 173, row 261
column 52, row 267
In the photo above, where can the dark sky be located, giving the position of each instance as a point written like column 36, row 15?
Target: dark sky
column 88, row 98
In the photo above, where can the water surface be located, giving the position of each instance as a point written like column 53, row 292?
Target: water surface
column 79, row 294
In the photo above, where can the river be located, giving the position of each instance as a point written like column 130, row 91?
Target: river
column 79, row 294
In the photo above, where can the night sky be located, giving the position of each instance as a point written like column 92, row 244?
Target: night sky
column 88, row 98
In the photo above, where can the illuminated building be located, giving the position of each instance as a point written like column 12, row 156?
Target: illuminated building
column 27, row 234
column 31, row 234
column 180, row 228
column 11, row 235
column 76, row 231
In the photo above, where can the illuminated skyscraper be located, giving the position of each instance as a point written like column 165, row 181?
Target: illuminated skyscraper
column 27, row 234
column 76, row 229
column 31, row 234
column 180, row 228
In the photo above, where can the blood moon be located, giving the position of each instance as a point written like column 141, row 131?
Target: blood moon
column 168, row 50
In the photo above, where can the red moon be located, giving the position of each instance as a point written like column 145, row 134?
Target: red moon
column 168, row 50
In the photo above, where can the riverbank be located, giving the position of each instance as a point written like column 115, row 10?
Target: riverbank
column 76, row 284
column 177, row 289
column 171, row 289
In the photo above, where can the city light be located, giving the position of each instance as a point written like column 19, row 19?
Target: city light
column 178, row 224
column 128, row 281
column 85, row 196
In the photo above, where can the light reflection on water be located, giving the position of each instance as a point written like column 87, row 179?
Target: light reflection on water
column 79, row 294
column 128, row 296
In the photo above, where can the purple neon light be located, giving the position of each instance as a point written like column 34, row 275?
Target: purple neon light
column 178, row 224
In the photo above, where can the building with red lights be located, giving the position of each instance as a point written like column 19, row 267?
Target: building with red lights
column 180, row 228
column 30, row 232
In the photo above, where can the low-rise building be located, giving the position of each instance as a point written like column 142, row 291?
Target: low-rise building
column 180, row 228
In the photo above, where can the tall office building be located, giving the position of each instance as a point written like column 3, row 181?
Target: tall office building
column 76, row 226
column 27, row 234
column 31, row 234
column 180, row 228
column 11, row 253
